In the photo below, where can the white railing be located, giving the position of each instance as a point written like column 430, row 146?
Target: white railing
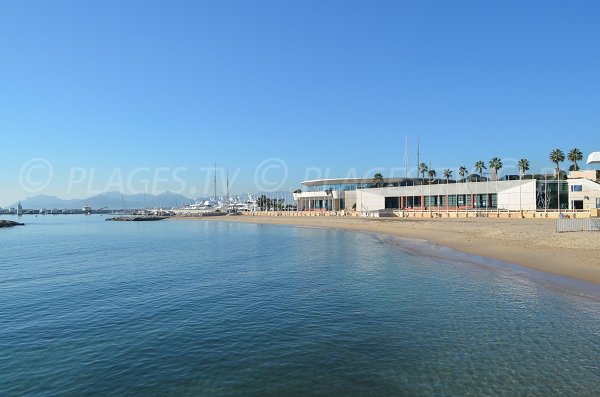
column 577, row 225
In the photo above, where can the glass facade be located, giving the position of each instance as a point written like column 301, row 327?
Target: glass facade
column 392, row 202
column 482, row 201
column 339, row 187
column 547, row 195
column 367, row 184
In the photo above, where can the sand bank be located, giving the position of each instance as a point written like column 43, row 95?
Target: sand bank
column 532, row 243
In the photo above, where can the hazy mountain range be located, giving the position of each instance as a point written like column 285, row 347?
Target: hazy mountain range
column 109, row 200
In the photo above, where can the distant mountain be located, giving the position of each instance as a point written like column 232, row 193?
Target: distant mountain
column 110, row 200
column 45, row 201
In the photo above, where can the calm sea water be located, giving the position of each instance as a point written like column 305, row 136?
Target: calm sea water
column 186, row 308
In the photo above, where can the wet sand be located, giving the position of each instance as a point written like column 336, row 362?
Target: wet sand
column 532, row 243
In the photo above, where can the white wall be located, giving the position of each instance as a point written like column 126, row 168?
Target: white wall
column 590, row 192
column 369, row 200
column 520, row 195
column 508, row 193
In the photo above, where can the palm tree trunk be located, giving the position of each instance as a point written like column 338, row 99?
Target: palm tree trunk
column 558, row 191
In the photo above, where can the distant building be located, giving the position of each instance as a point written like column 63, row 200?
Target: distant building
column 584, row 190
column 19, row 209
column 594, row 158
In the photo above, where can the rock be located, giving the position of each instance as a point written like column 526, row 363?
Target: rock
column 5, row 223
column 137, row 218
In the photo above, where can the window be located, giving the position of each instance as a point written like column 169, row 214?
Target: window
column 431, row 201
column 452, row 201
column 576, row 188
column 598, row 203
column 392, row 202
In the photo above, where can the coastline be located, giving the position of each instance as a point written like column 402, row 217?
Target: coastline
column 533, row 244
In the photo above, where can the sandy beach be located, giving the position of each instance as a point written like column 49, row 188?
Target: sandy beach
column 532, row 243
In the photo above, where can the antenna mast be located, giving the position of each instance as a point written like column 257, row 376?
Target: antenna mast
column 418, row 156
column 215, row 181
column 406, row 156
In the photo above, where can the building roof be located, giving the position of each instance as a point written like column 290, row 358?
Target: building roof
column 594, row 158
column 348, row 181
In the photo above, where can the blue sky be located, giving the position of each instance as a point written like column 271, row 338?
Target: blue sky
column 118, row 93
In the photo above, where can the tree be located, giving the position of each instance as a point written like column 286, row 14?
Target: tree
column 423, row 169
column 378, row 180
column 298, row 191
column 431, row 174
column 329, row 192
column 462, row 171
column 263, row 202
column 523, row 167
column 557, row 156
column 480, row 166
column 447, row 174
column 495, row 165
column 574, row 156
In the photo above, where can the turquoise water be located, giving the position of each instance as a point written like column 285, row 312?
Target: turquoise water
column 188, row 308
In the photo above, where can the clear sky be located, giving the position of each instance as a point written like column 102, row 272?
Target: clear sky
column 109, row 93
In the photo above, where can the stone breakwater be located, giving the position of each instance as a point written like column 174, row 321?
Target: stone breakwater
column 137, row 218
column 5, row 223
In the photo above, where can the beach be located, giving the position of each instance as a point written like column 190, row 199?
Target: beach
column 532, row 243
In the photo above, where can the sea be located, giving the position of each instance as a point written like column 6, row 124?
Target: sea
column 212, row 308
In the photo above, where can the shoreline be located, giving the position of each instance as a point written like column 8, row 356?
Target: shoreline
column 532, row 244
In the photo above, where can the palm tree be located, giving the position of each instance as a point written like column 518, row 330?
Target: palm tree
column 574, row 156
column 263, row 202
column 523, row 167
column 329, row 192
column 480, row 166
column 431, row 174
column 495, row 165
column 423, row 169
column 462, row 171
column 557, row 156
column 378, row 180
column 447, row 174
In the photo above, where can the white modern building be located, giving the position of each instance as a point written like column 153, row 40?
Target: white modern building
column 511, row 195
column 361, row 195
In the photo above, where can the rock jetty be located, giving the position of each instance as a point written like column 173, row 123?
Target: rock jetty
column 5, row 223
column 137, row 218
